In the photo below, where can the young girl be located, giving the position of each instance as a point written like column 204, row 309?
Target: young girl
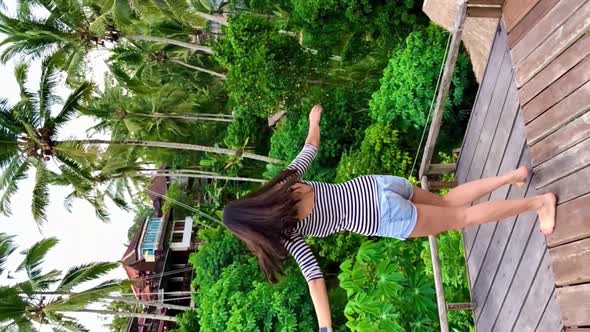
column 273, row 220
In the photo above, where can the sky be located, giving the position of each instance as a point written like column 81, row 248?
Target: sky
column 82, row 237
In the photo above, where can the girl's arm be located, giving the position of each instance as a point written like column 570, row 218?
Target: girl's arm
column 319, row 296
column 313, row 133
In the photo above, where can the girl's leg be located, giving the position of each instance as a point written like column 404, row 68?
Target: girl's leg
column 436, row 219
column 470, row 191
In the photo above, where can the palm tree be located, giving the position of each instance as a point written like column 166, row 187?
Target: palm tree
column 72, row 29
column 48, row 298
column 166, row 108
column 28, row 139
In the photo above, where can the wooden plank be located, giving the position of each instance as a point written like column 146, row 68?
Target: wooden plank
column 437, row 169
column 509, row 161
column 537, row 298
column 505, row 154
column 544, row 28
column 486, row 137
column 461, row 306
column 569, row 187
column 554, row 45
column 568, row 162
column 445, row 84
column 481, row 105
column 568, row 59
column 571, row 263
column 507, row 268
column 519, row 285
column 515, row 10
column 498, row 243
column 507, row 127
column 487, row 12
column 574, row 302
column 548, row 139
column 551, row 318
column 563, row 87
column 571, row 222
column 530, row 20
column 485, row 2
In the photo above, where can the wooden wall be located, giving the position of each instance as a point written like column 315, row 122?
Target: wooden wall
column 550, row 48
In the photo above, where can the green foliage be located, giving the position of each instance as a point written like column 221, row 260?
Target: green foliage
column 141, row 213
column 232, row 294
column 409, row 82
column 392, row 294
column 379, row 153
column 188, row 321
column 119, row 323
column 266, row 69
column 384, row 23
column 342, row 124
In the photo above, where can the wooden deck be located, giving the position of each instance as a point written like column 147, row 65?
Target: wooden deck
column 533, row 109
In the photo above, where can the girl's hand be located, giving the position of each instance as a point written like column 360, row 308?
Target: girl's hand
column 316, row 114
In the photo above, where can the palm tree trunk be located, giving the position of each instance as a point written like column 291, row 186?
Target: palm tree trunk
column 149, row 304
column 221, row 115
column 213, row 18
column 180, row 117
column 170, row 41
column 183, row 146
column 129, row 314
column 182, row 170
column 208, row 176
column 210, row 72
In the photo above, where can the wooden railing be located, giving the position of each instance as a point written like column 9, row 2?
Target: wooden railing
column 427, row 169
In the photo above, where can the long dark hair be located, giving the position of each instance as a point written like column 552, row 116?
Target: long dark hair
column 261, row 218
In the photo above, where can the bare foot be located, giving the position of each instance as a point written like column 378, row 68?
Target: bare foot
column 520, row 175
column 547, row 213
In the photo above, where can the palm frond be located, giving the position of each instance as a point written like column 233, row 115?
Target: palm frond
column 45, row 97
column 14, row 171
column 80, row 300
column 8, row 147
column 40, row 194
column 7, row 247
column 13, row 307
column 35, row 255
column 71, row 106
column 40, row 283
column 84, row 273
column 71, row 324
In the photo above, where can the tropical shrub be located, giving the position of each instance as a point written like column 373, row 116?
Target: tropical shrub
column 266, row 69
column 343, row 120
column 187, row 322
column 386, row 22
column 379, row 153
column 387, row 289
column 409, row 82
column 233, row 295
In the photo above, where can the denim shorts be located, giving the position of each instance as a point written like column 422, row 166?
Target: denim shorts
column 398, row 213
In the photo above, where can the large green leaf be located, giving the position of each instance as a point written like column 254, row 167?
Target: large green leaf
column 35, row 255
column 6, row 248
column 84, row 273
column 40, row 194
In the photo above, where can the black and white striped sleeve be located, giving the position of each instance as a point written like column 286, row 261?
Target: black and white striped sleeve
column 307, row 262
column 304, row 159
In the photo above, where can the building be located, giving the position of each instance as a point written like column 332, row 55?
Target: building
column 157, row 259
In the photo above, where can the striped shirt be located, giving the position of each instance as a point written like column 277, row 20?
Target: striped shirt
column 349, row 206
